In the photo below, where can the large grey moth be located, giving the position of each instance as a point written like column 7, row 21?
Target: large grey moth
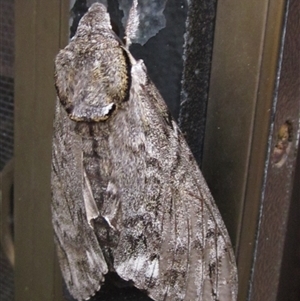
column 128, row 196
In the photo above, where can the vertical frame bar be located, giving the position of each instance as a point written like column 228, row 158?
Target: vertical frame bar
column 243, row 78
column 281, row 164
column 39, row 35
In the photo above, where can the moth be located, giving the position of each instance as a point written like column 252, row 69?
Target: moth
column 127, row 195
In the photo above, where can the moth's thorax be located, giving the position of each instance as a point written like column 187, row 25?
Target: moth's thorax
column 92, row 74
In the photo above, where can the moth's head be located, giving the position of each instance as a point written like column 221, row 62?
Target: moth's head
column 96, row 18
column 92, row 72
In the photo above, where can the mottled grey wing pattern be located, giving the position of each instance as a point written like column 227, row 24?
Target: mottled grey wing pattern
column 173, row 242
column 128, row 196
column 80, row 255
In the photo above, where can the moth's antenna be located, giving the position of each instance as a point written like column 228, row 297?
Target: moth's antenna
column 132, row 24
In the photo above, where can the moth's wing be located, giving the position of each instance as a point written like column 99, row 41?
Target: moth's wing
column 173, row 243
column 81, row 259
column 211, row 269
column 182, row 251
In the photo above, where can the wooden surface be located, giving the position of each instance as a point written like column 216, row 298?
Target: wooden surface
column 289, row 288
column 243, row 78
column 278, row 190
column 38, row 38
